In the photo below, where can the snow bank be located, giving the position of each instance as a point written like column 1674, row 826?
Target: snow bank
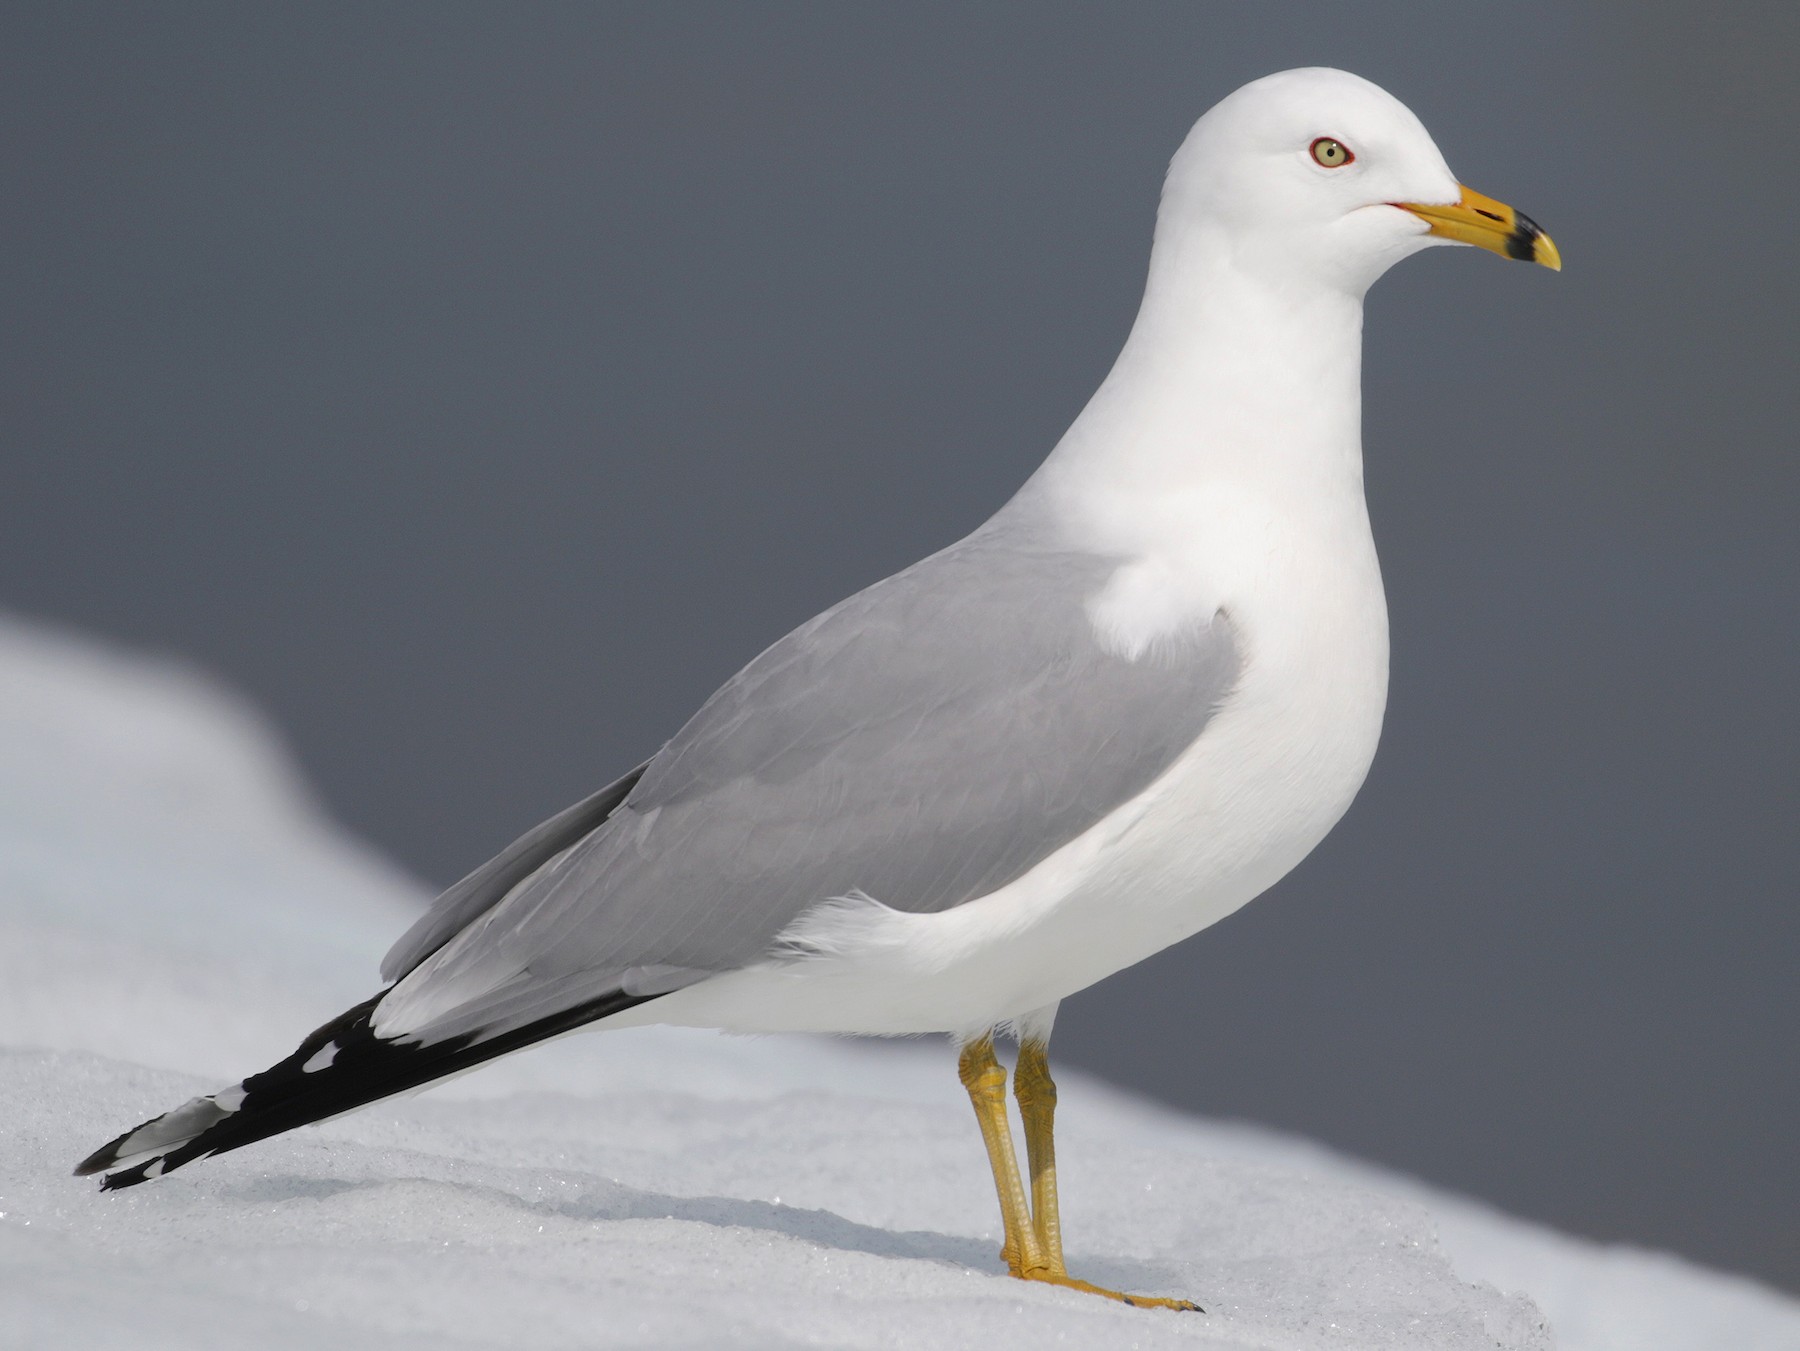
column 174, row 911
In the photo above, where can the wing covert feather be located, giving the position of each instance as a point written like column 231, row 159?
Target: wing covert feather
column 488, row 885
column 924, row 742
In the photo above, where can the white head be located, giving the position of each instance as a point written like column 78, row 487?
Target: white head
column 1318, row 175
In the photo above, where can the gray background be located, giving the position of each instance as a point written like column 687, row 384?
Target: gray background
column 479, row 386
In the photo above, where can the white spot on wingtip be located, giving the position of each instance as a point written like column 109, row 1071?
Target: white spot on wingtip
column 156, row 1168
column 229, row 1099
column 321, row 1058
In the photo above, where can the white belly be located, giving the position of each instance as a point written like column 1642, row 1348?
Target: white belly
column 1275, row 769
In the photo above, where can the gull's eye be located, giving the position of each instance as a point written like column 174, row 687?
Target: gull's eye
column 1331, row 154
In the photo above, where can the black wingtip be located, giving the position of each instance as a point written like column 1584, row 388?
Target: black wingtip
column 360, row 1069
column 127, row 1177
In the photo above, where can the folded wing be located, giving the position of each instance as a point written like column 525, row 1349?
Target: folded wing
column 923, row 743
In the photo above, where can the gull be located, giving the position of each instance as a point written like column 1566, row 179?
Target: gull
column 1116, row 712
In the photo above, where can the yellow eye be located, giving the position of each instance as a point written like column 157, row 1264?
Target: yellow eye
column 1331, row 154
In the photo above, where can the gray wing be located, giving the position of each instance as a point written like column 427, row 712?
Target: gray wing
column 482, row 889
column 923, row 743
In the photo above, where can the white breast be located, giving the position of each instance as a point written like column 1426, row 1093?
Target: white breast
column 1274, row 770
column 1282, row 760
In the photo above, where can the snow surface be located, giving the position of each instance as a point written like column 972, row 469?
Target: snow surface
column 174, row 912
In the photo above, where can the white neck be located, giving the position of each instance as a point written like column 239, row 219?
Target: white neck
column 1230, row 380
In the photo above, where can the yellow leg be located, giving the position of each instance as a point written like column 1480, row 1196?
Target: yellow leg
column 1036, row 1092
column 985, row 1080
column 1033, row 1250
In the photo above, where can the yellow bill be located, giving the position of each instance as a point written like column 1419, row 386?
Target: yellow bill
column 1490, row 225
